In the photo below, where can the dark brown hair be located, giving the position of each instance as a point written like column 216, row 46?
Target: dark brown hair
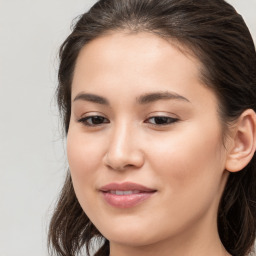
column 219, row 38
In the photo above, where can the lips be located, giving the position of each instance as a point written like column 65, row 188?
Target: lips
column 126, row 194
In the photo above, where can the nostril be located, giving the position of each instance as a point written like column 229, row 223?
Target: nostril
column 117, row 160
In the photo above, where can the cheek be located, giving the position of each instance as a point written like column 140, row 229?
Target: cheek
column 191, row 173
column 84, row 154
column 83, row 157
column 190, row 158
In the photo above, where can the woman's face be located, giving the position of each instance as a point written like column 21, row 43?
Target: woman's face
column 144, row 143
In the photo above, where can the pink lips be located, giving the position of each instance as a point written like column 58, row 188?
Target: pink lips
column 126, row 194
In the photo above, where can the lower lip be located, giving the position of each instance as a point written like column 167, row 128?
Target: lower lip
column 126, row 201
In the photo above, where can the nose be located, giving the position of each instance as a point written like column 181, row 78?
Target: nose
column 123, row 150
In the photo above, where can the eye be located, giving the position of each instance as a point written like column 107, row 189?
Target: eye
column 161, row 120
column 93, row 120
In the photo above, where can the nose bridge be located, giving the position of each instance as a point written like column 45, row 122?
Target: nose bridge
column 121, row 140
column 123, row 149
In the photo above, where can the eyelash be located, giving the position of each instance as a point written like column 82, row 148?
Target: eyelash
column 84, row 120
column 167, row 120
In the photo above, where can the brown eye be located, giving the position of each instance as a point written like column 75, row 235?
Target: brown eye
column 161, row 120
column 93, row 120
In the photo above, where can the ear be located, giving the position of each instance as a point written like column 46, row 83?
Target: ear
column 243, row 142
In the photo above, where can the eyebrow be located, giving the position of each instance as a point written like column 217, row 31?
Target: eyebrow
column 155, row 96
column 143, row 99
column 92, row 98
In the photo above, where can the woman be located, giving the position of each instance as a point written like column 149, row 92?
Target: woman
column 158, row 101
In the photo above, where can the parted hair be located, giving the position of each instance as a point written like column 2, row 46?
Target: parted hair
column 218, row 37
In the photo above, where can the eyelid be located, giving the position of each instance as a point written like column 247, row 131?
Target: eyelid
column 90, row 114
column 162, row 114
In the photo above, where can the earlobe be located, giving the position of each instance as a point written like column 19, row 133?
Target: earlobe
column 243, row 142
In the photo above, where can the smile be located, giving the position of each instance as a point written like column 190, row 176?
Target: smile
column 125, row 195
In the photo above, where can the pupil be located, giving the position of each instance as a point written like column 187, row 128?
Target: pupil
column 97, row 120
column 161, row 120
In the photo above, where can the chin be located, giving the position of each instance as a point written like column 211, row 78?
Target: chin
column 130, row 235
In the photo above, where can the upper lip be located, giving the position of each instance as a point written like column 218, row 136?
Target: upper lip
column 126, row 186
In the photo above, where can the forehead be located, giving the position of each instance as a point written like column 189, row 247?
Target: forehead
column 135, row 64
column 134, row 48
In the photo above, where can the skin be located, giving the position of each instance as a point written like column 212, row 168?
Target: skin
column 183, row 160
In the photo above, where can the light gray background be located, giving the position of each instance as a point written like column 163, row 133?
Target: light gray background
column 32, row 155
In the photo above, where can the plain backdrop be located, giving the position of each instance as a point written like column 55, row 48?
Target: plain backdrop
column 32, row 152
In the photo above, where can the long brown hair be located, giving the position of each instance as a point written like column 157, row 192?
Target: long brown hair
column 219, row 38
